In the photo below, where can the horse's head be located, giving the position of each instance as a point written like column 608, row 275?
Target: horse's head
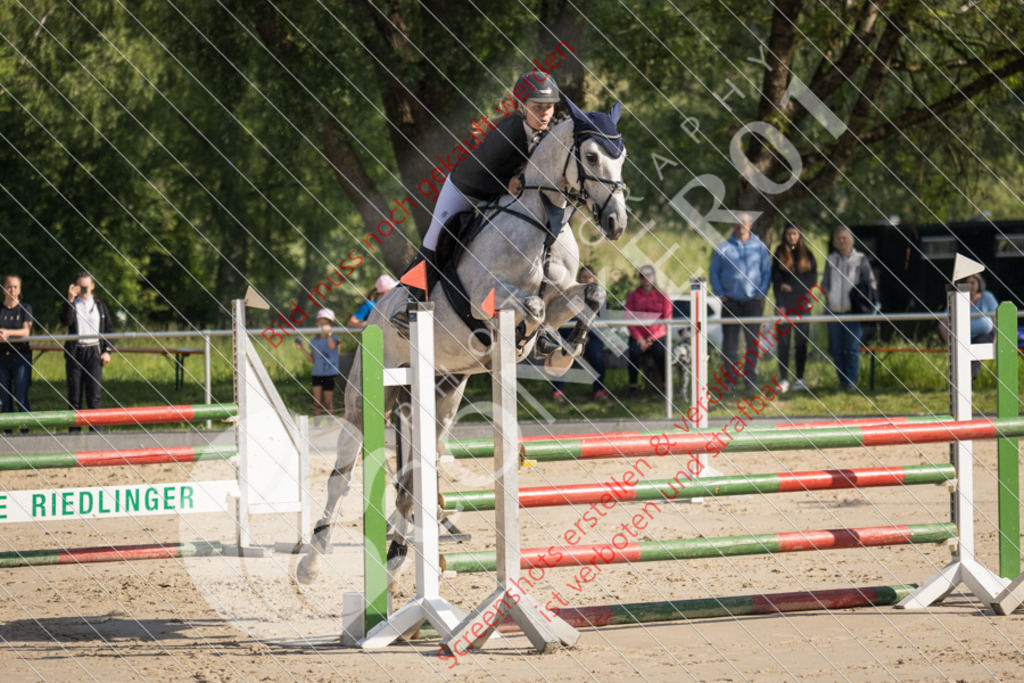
column 600, row 153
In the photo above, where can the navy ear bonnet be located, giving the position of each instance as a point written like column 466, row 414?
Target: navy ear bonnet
column 598, row 126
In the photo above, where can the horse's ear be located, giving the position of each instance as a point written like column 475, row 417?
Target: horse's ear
column 575, row 111
column 616, row 112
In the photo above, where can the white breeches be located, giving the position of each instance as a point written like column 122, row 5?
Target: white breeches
column 449, row 202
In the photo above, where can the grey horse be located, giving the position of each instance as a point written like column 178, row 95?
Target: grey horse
column 576, row 162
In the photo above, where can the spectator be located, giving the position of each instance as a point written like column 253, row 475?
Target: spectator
column 593, row 350
column 15, row 356
column 384, row 284
column 646, row 302
column 794, row 272
column 85, row 357
column 740, row 275
column 845, row 270
column 982, row 329
column 324, row 357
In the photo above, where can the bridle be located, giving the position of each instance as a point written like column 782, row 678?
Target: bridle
column 582, row 176
column 582, row 196
column 551, row 227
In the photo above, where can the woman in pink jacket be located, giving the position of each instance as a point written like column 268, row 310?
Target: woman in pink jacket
column 650, row 303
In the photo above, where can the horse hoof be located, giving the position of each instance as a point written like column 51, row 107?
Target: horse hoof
column 448, row 524
column 309, row 568
column 545, row 347
column 534, row 308
column 396, row 555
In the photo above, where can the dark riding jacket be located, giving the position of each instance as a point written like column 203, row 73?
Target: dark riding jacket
column 495, row 162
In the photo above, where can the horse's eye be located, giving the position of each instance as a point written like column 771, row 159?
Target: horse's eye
column 591, row 158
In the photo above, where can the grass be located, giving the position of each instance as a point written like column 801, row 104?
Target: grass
column 905, row 383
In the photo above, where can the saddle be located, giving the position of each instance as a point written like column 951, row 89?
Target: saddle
column 459, row 232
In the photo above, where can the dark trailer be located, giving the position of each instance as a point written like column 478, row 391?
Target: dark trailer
column 914, row 263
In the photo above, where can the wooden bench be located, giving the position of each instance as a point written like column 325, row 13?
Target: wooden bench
column 179, row 357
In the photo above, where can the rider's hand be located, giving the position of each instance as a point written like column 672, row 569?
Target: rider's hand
column 514, row 184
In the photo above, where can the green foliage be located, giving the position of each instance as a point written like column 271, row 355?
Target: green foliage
column 180, row 150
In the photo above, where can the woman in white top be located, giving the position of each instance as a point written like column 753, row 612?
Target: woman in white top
column 84, row 358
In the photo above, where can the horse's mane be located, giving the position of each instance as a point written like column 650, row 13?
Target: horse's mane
column 554, row 144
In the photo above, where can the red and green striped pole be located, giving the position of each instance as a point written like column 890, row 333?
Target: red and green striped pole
column 153, row 551
column 105, row 417
column 484, row 448
column 709, row 608
column 681, row 487
column 135, row 456
column 724, row 546
column 712, row 441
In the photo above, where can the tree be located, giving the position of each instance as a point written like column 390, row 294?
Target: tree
column 916, row 90
column 897, row 71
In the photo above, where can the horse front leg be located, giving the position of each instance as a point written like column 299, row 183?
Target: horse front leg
column 582, row 301
column 529, row 308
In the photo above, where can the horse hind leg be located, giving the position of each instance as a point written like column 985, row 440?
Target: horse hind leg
column 399, row 548
column 449, row 390
column 404, row 500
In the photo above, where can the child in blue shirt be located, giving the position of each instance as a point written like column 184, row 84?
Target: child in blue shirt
column 385, row 283
column 324, row 357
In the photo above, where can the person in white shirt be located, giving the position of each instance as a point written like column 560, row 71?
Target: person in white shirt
column 85, row 357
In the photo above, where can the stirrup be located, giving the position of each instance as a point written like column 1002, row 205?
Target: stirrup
column 400, row 321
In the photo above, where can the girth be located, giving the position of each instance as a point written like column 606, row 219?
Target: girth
column 453, row 286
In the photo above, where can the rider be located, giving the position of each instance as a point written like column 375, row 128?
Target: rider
column 491, row 170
